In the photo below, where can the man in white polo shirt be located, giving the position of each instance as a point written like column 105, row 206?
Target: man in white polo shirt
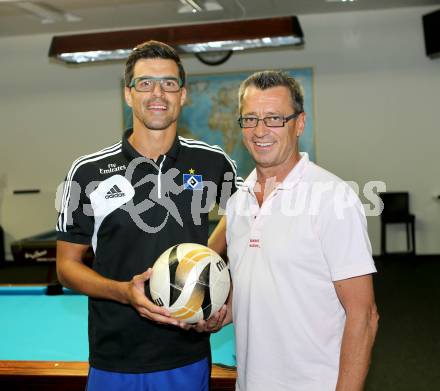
column 303, row 304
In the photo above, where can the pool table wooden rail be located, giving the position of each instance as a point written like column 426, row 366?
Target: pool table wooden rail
column 72, row 376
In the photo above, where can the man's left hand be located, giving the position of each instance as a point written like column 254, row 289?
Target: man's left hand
column 213, row 324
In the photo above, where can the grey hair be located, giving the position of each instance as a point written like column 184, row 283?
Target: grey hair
column 269, row 79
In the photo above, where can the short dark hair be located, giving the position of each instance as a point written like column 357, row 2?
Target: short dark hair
column 152, row 49
column 268, row 79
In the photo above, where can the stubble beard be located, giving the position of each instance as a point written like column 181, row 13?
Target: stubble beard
column 156, row 123
column 158, row 126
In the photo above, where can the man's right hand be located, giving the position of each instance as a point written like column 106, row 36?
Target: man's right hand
column 147, row 309
column 74, row 274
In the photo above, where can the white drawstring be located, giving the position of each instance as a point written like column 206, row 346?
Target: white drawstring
column 159, row 183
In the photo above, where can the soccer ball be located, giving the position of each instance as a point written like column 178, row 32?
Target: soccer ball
column 191, row 281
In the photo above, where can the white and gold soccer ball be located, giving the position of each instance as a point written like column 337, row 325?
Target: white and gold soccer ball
column 191, row 281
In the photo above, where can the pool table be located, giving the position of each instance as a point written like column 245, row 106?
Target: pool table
column 43, row 342
column 40, row 248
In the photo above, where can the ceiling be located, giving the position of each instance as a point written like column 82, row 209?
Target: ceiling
column 18, row 17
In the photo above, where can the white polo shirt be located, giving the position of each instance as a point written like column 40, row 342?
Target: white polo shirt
column 284, row 257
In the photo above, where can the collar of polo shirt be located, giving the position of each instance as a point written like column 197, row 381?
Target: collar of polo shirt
column 290, row 181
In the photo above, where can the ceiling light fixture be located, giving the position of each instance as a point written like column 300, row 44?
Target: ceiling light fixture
column 199, row 38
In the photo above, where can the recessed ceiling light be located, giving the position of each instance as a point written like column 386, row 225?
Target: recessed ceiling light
column 194, row 6
column 45, row 12
column 191, row 5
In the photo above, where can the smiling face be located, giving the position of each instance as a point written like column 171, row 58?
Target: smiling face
column 272, row 148
column 155, row 110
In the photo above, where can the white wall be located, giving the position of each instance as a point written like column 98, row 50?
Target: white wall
column 376, row 113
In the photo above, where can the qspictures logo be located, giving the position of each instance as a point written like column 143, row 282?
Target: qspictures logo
column 309, row 198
